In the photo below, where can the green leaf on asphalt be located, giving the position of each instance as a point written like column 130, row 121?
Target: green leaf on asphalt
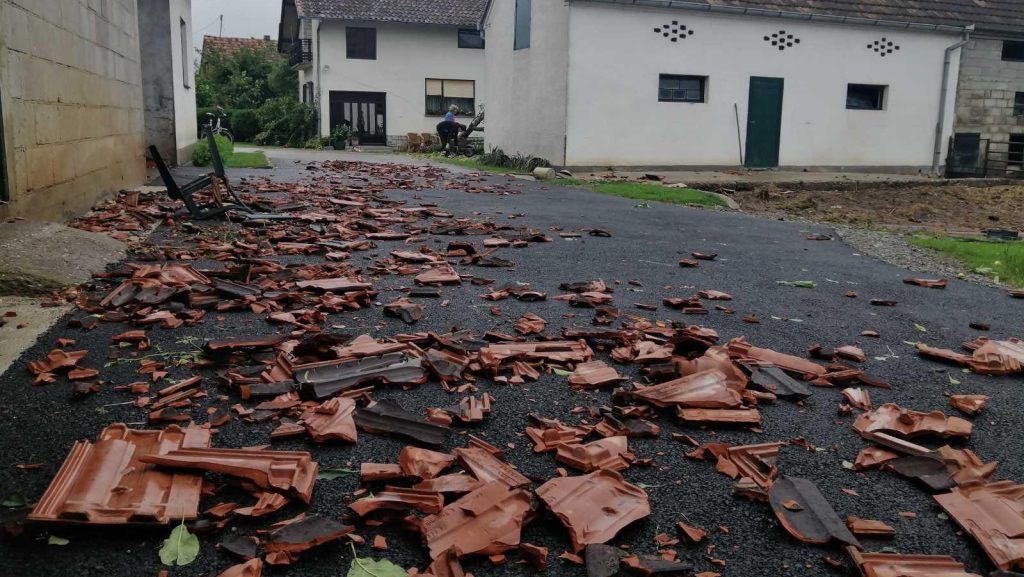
column 847, row 465
column 373, row 568
column 560, row 372
column 646, row 486
column 953, row 381
column 943, row 516
column 798, row 283
column 55, row 540
column 920, row 328
column 332, row 474
column 181, row 548
column 14, row 500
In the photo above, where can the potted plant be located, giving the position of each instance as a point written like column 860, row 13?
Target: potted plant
column 340, row 135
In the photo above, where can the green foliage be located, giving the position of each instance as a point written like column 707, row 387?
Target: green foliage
column 201, row 153
column 316, row 143
column 244, row 124
column 1004, row 261
column 497, row 157
column 180, row 548
column 341, row 132
column 244, row 80
column 335, row 473
column 362, row 567
column 286, row 122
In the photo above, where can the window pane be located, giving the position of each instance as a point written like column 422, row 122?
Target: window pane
column 361, row 43
column 681, row 88
column 522, row 24
column 865, row 97
column 459, row 88
column 1013, row 50
column 435, row 106
column 435, row 87
column 469, row 38
column 466, row 105
column 1018, row 104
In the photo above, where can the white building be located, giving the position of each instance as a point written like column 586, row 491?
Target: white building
column 387, row 67
column 168, row 77
column 719, row 83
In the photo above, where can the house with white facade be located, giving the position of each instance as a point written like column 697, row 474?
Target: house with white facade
column 385, row 67
column 723, row 83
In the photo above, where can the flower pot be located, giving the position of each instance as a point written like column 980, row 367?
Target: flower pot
column 338, row 144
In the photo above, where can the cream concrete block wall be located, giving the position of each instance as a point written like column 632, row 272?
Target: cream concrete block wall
column 406, row 56
column 72, row 104
column 615, row 117
column 527, row 88
column 986, row 91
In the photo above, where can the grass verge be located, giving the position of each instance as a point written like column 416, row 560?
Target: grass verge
column 1003, row 261
column 255, row 159
column 645, row 191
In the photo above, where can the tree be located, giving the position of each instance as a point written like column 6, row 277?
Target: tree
column 244, row 79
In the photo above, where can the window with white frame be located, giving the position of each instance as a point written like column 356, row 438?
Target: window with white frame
column 443, row 94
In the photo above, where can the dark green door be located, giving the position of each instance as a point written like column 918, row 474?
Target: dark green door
column 764, row 122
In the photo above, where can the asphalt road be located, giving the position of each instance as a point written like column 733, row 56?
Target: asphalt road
column 39, row 424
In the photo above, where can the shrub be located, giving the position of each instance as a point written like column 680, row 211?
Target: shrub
column 244, row 124
column 286, row 122
column 201, row 153
column 526, row 163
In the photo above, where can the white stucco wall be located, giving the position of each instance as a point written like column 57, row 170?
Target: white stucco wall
column 526, row 89
column 406, row 56
column 614, row 117
column 185, row 122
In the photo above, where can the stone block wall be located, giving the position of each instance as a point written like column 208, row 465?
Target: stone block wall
column 986, row 91
column 71, row 89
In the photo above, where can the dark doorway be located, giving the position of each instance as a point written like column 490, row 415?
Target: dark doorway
column 964, row 159
column 365, row 112
column 764, row 122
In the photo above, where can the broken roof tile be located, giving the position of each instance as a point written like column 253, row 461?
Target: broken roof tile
column 805, row 514
column 754, row 462
column 405, row 309
column 594, row 507
column 892, row 565
column 332, row 420
column 399, row 499
column 393, row 368
column 388, row 417
column 530, row 323
column 969, row 404
column 85, row 489
column 487, row 521
column 303, row 533
column 488, row 468
column 558, row 352
column 251, row 568
column 423, row 463
column 893, row 419
column 369, row 472
column 651, row 566
column 858, row 398
column 593, row 375
column 939, row 283
column 457, row 483
column 290, row 472
column 994, row 515
column 602, row 454
column 706, row 389
column 734, row 416
column 997, row 357
column 741, row 349
column 771, row 378
column 869, row 527
column 439, row 275
column 872, row 457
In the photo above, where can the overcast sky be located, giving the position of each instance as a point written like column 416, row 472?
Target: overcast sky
column 242, row 18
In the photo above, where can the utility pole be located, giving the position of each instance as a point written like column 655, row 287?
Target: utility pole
column 221, row 25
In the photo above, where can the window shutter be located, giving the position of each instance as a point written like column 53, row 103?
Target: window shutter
column 435, row 87
column 459, row 89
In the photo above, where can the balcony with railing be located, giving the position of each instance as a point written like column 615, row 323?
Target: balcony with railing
column 300, row 55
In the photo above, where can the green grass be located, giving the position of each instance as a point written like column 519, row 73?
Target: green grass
column 1004, row 261
column 645, row 191
column 256, row 159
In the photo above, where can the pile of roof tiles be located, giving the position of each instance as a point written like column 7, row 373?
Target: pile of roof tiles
column 330, row 388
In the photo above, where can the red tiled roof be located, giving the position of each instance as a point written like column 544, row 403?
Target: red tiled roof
column 444, row 12
column 233, row 45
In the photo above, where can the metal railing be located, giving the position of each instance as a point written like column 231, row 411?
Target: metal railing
column 300, row 53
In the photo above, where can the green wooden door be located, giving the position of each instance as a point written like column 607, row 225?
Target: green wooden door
column 764, row 122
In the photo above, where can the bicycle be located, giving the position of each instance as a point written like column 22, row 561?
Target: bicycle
column 217, row 129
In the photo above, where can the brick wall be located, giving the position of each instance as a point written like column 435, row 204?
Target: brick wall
column 72, row 104
column 984, row 102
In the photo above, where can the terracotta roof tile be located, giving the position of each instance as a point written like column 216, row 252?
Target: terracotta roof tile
column 450, row 12
column 234, row 45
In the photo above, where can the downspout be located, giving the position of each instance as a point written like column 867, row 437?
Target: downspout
column 940, row 125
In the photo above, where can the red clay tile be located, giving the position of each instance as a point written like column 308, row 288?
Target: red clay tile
column 487, row 521
column 251, row 568
column 450, row 484
column 603, row 454
column 291, row 537
column 487, row 467
column 891, row 418
column 869, row 527
column 754, row 462
column 706, row 389
column 891, row 565
column 332, row 420
column 872, row 457
column 594, row 507
column 739, row 348
column 399, row 499
column 969, row 404
column 369, row 472
column 994, row 515
column 858, row 398
column 290, row 472
column 939, row 283
column 422, row 463
column 86, row 488
column 734, row 416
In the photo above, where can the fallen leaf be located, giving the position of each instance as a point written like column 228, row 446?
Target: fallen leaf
column 797, row 283
column 920, row 328
column 181, row 548
column 13, row 501
column 362, row 567
column 332, row 474
column 55, row 540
